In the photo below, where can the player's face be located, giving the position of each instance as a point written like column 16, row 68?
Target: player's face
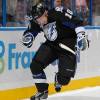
column 42, row 20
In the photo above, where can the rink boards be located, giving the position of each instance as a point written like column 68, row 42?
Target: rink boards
column 15, row 77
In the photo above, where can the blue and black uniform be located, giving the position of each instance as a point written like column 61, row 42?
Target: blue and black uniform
column 61, row 39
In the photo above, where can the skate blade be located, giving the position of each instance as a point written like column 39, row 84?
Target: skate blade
column 24, row 99
column 29, row 99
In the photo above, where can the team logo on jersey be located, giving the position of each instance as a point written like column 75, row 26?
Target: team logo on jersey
column 50, row 31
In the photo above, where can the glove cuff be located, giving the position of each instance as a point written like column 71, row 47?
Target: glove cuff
column 79, row 30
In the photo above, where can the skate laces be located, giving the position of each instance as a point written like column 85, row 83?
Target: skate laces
column 56, row 82
column 39, row 94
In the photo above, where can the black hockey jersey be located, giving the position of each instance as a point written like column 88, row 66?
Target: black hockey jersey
column 60, row 27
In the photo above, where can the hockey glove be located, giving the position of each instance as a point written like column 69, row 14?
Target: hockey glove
column 82, row 41
column 28, row 38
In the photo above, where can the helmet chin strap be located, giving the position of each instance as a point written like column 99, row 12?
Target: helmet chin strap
column 43, row 20
column 41, row 25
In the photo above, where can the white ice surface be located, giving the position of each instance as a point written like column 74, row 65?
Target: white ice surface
column 80, row 94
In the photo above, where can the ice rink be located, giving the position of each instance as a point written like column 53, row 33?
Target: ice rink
column 81, row 94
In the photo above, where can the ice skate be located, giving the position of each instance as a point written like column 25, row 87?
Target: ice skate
column 40, row 96
column 57, row 85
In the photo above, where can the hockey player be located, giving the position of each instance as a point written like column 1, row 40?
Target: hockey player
column 62, row 31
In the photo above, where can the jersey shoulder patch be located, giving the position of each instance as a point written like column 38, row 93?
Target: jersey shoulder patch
column 69, row 13
column 59, row 9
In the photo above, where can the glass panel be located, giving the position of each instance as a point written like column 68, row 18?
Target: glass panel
column 96, row 12
column 82, row 10
column 20, row 12
column 79, row 7
column 0, row 13
column 67, row 4
column 57, row 3
column 17, row 10
column 10, row 5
